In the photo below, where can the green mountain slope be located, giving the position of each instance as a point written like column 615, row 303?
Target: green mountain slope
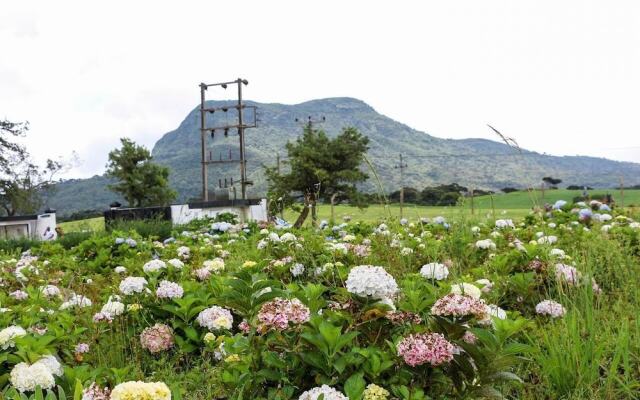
column 476, row 163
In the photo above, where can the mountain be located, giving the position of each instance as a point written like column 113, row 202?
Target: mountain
column 477, row 163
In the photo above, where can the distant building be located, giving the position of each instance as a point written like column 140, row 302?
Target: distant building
column 41, row 227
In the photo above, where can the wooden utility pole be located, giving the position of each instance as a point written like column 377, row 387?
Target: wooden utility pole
column 401, row 166
column 240, row 125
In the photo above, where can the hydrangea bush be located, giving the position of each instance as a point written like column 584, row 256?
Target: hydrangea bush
column 431, row 308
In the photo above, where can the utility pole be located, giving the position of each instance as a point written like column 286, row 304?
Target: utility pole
column 401, row 166
column 241, row 125
column 310, row 121
column 205, row 184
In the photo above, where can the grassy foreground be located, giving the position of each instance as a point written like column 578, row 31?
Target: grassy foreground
column 510, row 205
column 589, row 350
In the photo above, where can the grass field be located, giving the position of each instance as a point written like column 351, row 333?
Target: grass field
column 90, row 224
column 511, row 205
column 524, row 200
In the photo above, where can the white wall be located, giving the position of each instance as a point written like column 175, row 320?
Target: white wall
column 182, row 214
column 45, row 221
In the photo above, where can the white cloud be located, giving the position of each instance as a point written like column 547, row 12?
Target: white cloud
column 558, row 76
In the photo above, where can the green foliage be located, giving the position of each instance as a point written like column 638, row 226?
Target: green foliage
column 147, row 228
column 23, row 184
column 17, row 245
column 349, row 342
column 140, row 181
column 320, row 167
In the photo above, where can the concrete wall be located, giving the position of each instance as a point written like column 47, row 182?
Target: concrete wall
column 182, row 214
column 33, row 227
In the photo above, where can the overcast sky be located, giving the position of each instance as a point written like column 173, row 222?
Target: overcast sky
column 561, row 77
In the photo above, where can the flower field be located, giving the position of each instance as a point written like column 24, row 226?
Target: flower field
column 428, row 308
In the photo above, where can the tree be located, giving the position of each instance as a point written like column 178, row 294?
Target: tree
column 509, row 190
column 141, row 182
column 552, row 183
column 319, row 168
column 11, row 151
column 23, row 184
column 411, row 195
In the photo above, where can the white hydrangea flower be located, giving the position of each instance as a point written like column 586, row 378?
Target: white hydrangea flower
column 183, row 252
column 112, row 308
column 133, row 284
column 439, row 220
column 175, row 263
column 52, row 364
column 557, row 253
column 493, row 311
column 551, row 239
column 466, row 288
column 169, row 290
column 486, row 244
column 435, row 271
column 348, row 238
column 504, row 223
column 550, row 308
column 154, row 266
column 25, row 377
column 8, row 334
column 215, row 318
column 120, row 269
column 288, row 237
column 327, row 393
column 50, row 291
column 76, row 300
column 338, row 248
column 371, row 281
column 297, row 269
column 216, row 265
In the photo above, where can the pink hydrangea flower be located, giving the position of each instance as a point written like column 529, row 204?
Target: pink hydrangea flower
column 550, row 308
column 426, row 348
column 277, row 313
column 157, row 338
column 469, row 337
column 459, row 305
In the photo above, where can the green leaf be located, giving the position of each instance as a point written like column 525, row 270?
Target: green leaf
column 354, row 386
column 38, row 393
column 330, row 334
column 504, row 376
column 77, row 391
column 192, row 333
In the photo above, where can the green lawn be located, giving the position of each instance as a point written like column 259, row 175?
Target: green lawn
column 376, row 212
column 90, row 224
column 511, row 205
column 524, row 200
